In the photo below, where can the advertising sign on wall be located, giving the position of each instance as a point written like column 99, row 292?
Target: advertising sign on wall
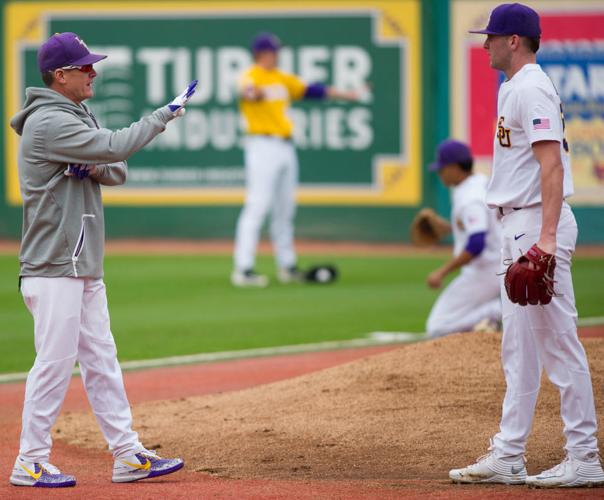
column 571, row 53
column 363, row 153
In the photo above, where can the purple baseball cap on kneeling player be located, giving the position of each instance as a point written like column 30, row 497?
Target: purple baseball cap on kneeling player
column 451, row 151
column 65, row 49
column 512, row 19
column 266, row 41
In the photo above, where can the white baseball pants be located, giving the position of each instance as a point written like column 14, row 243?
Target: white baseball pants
column 536, row 337
column 271, row 168
column 71, row 323
column 471, row 297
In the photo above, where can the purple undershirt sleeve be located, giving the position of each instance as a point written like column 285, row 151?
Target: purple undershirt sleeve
column 315, row 91
column 476, row 243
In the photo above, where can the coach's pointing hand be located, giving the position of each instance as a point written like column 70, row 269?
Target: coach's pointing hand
column 177, row 105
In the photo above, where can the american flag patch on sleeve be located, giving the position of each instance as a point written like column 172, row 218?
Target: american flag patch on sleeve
column 541, row 124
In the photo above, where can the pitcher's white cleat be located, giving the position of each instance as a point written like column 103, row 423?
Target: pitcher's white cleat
column 490, row 469
column 570, row 473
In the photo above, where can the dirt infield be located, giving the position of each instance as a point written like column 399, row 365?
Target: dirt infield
column 93, row 468
column 221, row 465
column 388, row 426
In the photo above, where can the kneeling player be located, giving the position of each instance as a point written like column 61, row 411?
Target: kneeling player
column 477, row 243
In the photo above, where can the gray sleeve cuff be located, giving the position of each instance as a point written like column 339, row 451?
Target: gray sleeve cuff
column 164, row 114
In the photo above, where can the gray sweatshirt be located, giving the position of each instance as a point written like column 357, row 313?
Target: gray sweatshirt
column 63, row 223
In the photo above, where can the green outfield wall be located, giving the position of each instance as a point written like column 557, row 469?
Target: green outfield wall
column 362, row 166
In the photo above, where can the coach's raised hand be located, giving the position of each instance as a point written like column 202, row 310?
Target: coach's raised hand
column 177, row 105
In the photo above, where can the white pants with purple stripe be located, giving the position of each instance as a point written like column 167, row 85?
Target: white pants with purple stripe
column 537, row 337
column 71, row 323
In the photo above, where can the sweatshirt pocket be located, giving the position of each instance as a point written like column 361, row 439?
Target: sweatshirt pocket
column 77, row 251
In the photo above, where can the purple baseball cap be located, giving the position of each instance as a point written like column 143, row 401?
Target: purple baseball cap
column 65, row 49
column 451, row 151
column 512, row 19
column 266, row 41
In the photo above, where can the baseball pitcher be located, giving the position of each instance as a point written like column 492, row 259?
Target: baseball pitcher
column 530, row 181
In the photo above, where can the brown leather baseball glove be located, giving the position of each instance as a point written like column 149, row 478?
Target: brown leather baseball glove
column 428, row 228
column 530, row 280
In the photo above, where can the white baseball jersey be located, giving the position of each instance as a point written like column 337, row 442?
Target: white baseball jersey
column 470, row 215
column 529, row 110
column 459, row 308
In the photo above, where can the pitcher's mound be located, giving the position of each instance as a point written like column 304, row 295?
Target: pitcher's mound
column 411, row 413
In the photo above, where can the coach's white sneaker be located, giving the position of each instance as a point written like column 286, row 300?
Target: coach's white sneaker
column 39, row 475
column 571, row 472
column 290, row 275
column 143, row 465
column 490, row 469
column 249, row 278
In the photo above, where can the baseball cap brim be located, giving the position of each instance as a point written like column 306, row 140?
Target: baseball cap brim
column 433, row 167
column 485, row 32
column 89, row 59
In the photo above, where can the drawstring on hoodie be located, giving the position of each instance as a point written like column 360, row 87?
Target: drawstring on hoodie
column 80, row 244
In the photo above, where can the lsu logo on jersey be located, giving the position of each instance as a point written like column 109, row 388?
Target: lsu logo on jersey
column 503, row 134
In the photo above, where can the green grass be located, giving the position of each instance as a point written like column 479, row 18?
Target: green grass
column 172, row 305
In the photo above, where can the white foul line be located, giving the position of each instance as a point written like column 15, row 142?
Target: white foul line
column 595, row 321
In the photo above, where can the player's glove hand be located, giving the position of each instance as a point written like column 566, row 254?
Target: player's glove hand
column 177, row 105
column 530, row 280
column 428, row 228
column 78, row 170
